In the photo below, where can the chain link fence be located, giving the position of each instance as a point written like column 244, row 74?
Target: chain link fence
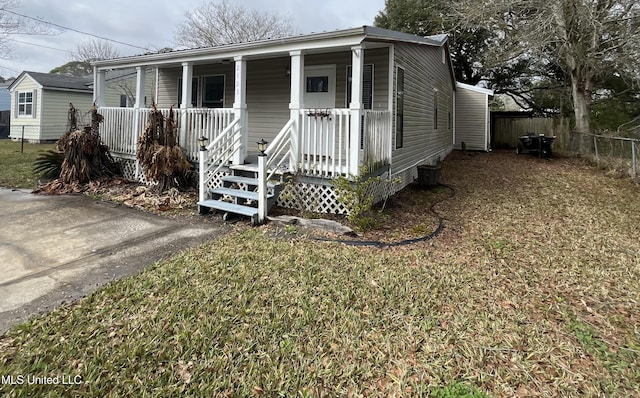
column 618, row 155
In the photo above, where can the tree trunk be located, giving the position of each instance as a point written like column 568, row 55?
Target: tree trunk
column 581, row 96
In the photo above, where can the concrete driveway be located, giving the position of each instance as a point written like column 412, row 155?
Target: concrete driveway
column 59, row 248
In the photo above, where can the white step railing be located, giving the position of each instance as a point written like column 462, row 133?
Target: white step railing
column 281, row 152
column 218, row 154
column 208, row 122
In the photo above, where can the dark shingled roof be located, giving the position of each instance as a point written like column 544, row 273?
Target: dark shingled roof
column 61, row 82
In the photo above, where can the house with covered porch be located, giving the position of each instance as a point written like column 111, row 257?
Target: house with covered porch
column 362, row 100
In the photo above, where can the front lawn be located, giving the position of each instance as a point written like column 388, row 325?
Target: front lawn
column 532, row 290
column 16, row 168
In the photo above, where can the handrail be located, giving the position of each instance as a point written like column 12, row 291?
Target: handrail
column 229, row 150
column 219, row 152
column 279, row 148
column 222, row 134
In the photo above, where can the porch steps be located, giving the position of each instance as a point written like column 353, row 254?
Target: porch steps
column 238, row 194
column 226, row 208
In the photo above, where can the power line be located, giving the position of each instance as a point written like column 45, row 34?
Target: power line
column 40, row 45
column 75, row 30
column 9, row 69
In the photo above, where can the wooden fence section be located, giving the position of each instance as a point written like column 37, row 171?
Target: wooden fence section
column 506, row 130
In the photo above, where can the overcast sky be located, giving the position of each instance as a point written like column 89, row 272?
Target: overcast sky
column 151, row 24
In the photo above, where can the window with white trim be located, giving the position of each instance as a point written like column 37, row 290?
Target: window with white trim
column 25, row 103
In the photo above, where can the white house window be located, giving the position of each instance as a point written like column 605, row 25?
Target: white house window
column 213, row 91
column 25, row 103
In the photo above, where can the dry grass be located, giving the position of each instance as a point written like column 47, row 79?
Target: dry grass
column 532, row 290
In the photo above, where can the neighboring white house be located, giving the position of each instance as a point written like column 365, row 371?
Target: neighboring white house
column 40, row 101
column 329, row 104
column 473, row 120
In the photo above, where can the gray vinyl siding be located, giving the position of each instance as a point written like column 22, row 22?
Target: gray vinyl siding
column 55, row 110
column 168, row 83
column 424, row 72
column 378, row 57
column 268, row 97
column 127, row 86
column 471, row 119
column 269, row 87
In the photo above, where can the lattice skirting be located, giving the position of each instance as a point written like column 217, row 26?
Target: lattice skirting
column 128, row 168
column 323, row 198
column 131, row 171
column 316, row 197
column 312, row 197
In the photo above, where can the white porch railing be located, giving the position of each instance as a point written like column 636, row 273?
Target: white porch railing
column 376, row 139
column 325, row 146
column 317, row 142
column 324, row 149
column 122, row 127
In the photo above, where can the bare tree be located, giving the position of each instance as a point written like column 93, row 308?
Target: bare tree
column 12, row 23
column 586, row 39
column 217, row 23
column 94, row 50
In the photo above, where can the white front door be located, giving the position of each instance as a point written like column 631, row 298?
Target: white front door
column 320, row 87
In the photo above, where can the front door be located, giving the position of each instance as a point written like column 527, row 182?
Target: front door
column 320, row 87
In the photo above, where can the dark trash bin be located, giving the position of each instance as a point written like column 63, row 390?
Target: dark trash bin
column 429, row 176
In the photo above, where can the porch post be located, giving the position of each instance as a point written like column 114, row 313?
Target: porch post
column 296, row 104
column 187, row 76
column 140, row 83
column 139, row 103
column 357, row 67
column 99, row 79
column 240, row 108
